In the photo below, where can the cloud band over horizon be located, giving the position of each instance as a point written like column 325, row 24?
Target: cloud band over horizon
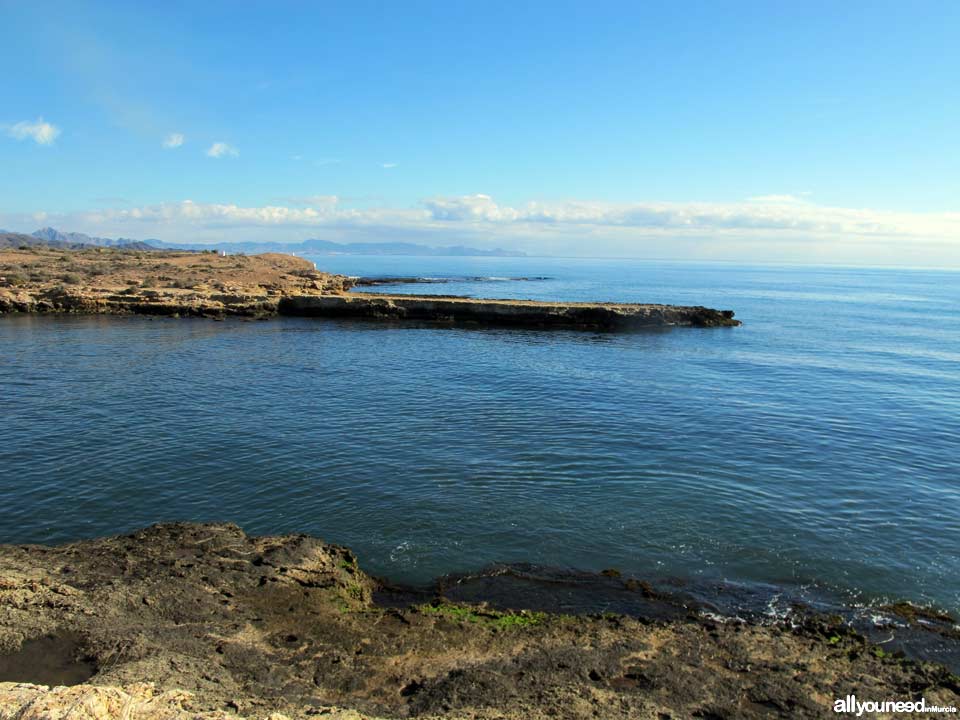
column 568, row 227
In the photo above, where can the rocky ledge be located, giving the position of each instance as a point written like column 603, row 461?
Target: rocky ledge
column 118, row 282
column 526, row 313
column 203, row 621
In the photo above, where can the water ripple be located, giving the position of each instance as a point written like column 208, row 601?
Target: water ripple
column 816, row 445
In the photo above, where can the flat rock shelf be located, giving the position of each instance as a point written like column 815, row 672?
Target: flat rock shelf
column 527, row 313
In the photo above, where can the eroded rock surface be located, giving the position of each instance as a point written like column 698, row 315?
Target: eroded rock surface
column 156, row 283
column 255, row 625
column 139, row 701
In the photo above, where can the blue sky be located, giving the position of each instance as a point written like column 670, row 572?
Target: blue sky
column 726, row 130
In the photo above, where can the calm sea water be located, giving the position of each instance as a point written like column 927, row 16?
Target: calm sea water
column 816, row 447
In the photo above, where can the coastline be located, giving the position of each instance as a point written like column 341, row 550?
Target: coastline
column 188, row 284
column 253, row 625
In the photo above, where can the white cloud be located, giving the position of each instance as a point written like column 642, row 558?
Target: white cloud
column 173, row 140
column 222, row 149
column 765, row 214
column 468, row 208
column 387, row 166
column 42, row 133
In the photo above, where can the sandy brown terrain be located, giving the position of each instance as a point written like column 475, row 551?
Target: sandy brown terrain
column 105, row 280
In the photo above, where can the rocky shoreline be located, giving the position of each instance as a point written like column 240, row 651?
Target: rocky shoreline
column 188, row 284
column 191, row 620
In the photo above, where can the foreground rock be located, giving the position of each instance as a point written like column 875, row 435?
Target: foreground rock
column 249, row 626
column 121, row 282
column 139, row 701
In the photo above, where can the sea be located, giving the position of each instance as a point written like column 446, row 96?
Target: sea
column 811, row 454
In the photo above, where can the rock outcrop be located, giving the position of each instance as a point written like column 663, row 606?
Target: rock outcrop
column 138, row 701
column 223, row 625
column 110, row 281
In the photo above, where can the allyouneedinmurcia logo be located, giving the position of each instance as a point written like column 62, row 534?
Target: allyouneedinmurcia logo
column 850, row 704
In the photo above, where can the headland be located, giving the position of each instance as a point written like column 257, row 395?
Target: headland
column 208, row 284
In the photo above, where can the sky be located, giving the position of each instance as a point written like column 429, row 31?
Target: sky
column 768, row 131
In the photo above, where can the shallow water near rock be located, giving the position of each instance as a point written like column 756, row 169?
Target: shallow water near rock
column 813, row 450
column 522, row 586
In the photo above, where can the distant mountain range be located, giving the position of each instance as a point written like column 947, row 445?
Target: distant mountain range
column 328, row 247
column 50, row 237
column 9, row 239
column 55, row 238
